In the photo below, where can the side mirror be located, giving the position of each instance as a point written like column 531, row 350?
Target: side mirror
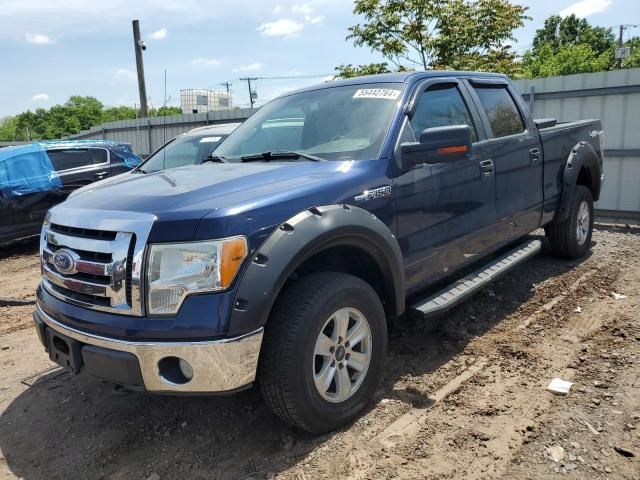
column 438, row 145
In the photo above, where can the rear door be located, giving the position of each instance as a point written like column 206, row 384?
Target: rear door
column 79, row 166
column 517, row 155
column 445, row 212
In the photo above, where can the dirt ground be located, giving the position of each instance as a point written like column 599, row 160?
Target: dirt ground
column 464, row 400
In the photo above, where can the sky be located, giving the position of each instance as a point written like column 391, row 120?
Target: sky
column 50, row 50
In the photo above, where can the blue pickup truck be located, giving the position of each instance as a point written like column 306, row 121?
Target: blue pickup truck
column 328, row 212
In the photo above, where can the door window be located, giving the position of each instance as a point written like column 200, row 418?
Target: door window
column 441, row 105
column 501, row 110
column 99, row 155
column 75, row 158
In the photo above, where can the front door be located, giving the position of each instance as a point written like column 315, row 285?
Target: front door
column 517, row 154
column 445, row 212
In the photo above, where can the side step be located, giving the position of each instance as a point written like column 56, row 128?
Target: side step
column 459, row 291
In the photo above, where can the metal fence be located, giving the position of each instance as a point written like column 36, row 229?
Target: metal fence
column 614, row 98
column 148, row 134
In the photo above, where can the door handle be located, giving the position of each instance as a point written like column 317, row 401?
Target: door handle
column 486, row 167
column 534, row 155
column 100, row 175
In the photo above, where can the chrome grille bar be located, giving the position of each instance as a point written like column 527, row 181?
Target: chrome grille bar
column 82, row 266
column 80, row 286
column 79, row 243
column 107, row 250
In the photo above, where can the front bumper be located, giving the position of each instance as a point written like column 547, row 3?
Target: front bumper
column 218, row 366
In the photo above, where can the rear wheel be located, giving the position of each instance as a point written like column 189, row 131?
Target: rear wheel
column 572, row 237
column 323, row 351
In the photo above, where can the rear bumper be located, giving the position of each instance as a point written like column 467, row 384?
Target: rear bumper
column 218, row 366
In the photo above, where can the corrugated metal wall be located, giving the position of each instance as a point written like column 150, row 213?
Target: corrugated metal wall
column 148, row 134
column 614, row 98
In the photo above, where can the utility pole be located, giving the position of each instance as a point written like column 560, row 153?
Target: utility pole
column 227, row 85
column 622, row 27
column 139, row 46
column 248, row 80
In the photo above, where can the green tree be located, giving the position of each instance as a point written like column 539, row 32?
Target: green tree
column 165, row 111
column 569, row 45
column 88, row 110
column 76, row 114
column 634, row 60
column 348, row 71
column 123, row 112
column 8, row 129
column 566, row 60
column 461, row 34
column 25, row 123
column 571, row 30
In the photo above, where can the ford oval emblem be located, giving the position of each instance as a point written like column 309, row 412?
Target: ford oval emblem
column 65, row 261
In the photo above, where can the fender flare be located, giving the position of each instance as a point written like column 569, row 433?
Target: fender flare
column 298, row 239
column 581, row 155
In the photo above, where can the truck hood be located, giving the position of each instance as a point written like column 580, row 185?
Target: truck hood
column 181, row 197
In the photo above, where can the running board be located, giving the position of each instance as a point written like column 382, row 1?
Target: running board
column 459, row 291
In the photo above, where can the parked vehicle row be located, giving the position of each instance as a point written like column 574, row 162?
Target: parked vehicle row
column 282, row 256
column 35, row 177
column 73, row 166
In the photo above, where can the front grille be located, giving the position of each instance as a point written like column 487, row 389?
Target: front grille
column 83, row 232
column 81, row 298
column 89, row 267
column 130, row 269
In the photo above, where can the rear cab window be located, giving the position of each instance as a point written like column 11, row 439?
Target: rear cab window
column 501, row 110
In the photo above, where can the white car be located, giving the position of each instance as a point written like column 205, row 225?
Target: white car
column 188, row 148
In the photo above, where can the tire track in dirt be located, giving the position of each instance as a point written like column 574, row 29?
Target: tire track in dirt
column 472, row 430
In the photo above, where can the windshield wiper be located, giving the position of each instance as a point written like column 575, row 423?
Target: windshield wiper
column 212, row 157
column 284, row 155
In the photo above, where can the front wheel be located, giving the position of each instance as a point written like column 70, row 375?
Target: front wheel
column 572, row 237
column 323, row 351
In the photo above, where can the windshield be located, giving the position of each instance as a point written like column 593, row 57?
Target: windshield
column 183, row 150
column 337, row 123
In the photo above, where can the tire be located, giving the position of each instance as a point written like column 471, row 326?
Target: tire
column 317, row 304
column 572, row 237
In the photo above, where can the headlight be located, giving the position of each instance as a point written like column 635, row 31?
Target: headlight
column 176, row 270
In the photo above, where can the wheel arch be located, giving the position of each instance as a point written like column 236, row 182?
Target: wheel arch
column 328, row 238
column 581, row 168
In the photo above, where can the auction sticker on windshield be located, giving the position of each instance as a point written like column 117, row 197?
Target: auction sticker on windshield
column 210, row 139
column 377, row 93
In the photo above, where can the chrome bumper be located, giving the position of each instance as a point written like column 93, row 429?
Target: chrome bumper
column 218, row 366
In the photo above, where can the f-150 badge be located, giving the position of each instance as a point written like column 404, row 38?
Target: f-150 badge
column 374, row 193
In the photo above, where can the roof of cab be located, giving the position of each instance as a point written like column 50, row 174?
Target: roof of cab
column 396, row 77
